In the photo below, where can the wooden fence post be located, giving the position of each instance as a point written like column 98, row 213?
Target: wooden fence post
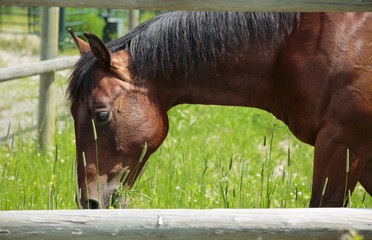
column 49, row 50
column 133, row 18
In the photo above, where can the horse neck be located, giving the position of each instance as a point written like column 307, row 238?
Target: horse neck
column 249, row 83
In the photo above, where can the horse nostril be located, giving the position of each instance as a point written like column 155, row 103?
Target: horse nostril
column 92, row 204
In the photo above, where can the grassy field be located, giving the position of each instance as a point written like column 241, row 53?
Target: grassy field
column 213, row 157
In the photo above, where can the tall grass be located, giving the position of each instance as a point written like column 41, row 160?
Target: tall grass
column 31, row 179
column 213, row 157
column 219, row 157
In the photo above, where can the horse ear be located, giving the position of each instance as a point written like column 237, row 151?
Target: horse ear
column 82, row 46
column 99, row 49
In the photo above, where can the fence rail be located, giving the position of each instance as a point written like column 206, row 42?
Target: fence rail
column 186, row 224
column 26, row 70
column 209, row 5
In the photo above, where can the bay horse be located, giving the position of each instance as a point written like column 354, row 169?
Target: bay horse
column 313, row 71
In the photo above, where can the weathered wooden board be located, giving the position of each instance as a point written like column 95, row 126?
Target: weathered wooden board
column 26, row 70
column 322, row 223
column 47, row 103
column 209, row 5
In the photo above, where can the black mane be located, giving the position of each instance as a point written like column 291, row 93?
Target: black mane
column 184, row 43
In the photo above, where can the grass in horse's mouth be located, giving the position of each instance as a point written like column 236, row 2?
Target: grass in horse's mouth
column 116, row 198
column 121, row 191
column 119, row 198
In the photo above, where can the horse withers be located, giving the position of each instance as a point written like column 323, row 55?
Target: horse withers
column 311, row 70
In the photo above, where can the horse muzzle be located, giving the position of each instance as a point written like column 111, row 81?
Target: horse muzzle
column 103, row 195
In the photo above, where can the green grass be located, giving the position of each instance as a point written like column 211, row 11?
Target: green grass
column 37, row 180
column 213, row 157
column 15, row 19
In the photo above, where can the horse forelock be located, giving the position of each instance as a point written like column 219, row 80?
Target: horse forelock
column 80, row 82
column 184, row 44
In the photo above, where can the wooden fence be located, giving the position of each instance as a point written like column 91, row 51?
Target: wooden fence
column 210, row 5
column 176, row 223
column 31, row 69
column 146, row 224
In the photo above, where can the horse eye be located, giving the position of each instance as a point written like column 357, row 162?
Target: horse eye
column 101, row 118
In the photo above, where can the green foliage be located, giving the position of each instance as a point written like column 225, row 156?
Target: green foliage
column 92, row 22
column 146, row 15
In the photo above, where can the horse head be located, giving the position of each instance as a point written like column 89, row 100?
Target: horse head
column 117, row 125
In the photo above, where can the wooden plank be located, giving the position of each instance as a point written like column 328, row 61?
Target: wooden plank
column 31, row 69
column 133, row 18
column 325, row 223
column 209, row 5
column 49, row 50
